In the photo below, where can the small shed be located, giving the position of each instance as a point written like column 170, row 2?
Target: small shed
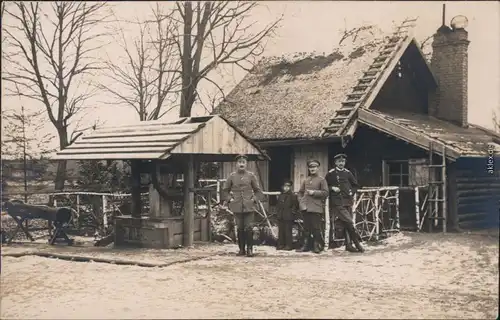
column 159, row 149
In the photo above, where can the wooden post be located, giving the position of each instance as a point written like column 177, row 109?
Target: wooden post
column 218, row 192
column 135, row 168
column 443, row 186
column 430, row 203
column 376, row 214
column 327, row 224
column 189, row 202
column 397, row 210
column 417, row 208
column 209, row 215
column 104, row 212
column 78, row 204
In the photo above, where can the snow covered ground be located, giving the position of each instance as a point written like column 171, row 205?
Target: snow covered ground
column 408, row 276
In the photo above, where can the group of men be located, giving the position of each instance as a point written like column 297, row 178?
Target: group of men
column 242, row 191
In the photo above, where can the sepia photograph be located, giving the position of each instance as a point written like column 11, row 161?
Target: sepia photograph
column 250, row 159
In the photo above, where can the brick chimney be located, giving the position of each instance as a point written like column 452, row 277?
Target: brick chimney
column 449, row 63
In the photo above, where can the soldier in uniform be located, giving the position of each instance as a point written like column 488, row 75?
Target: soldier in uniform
column 288, row 205
column 241, row 193
column 343, row 185
column 313, row 193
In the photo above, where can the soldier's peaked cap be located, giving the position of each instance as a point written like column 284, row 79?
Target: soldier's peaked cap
column 240, row 156
column 340, row 156
column 313, row 163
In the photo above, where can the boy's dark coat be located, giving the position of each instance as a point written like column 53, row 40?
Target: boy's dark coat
column 288, row 204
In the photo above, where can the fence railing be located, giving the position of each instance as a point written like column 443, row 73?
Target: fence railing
column 375, row 210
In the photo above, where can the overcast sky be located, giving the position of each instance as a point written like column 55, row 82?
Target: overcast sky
column 315, row 26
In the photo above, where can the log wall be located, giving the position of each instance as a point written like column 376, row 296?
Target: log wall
column 474, row 194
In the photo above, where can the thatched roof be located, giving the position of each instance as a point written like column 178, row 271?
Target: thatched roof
column 294, row 96
column 420, row 129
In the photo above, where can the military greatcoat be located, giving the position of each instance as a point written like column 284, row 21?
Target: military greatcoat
column 241, row 191
column 341, row 202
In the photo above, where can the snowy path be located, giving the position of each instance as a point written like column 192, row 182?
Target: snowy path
column 424, row 276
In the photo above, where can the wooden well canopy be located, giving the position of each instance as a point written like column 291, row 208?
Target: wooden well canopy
column 210, row 138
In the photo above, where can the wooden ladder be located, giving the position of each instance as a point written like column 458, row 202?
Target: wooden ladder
column 436, row 199
column 360, row 92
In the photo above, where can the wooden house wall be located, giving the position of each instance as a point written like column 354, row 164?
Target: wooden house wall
column 474, row 194
column 405, row 89
column 366, row 153
column 367, row 150
column 217, row 137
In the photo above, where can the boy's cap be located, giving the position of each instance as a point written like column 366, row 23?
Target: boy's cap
column 288, row 182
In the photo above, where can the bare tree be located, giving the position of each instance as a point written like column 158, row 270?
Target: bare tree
column 22, row 139
column 214, row 34
column 49, row 55
column 496, row 120
column 146, row 77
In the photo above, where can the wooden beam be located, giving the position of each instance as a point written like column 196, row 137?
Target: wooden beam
column 109, row 156
column 150, row 139
column 147, row 127
column 189, row 202
column 398, row 131
column 135, row 170
column 292, row 142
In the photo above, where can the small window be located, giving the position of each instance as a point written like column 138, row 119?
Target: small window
column 397, row 173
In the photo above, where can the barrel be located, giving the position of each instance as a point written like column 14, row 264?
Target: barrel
column 30, row 211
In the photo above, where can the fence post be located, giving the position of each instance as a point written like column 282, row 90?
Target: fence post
column 417, row 208
column 78, row 204
column 218, row 191
column 354, row 208
column 104, row 212
column 327, row 224
column 376, row 212
column 209, row 215
column 397, row 209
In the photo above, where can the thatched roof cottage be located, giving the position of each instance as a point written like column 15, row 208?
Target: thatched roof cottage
column 385, row 106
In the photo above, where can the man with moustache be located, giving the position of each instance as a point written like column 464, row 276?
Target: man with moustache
column 313, row 193
column 241, row 192
column 343, row 185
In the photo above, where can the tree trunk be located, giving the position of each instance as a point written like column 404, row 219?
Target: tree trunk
column 61, row 165
column 187, row 63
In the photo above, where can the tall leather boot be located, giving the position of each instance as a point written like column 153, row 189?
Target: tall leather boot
column 249, row 243
column 357, row 243
column 288, row 236
column 348, row 242
column 306, row 244
column 241, row 242
column 355, row 238
column 317, row 247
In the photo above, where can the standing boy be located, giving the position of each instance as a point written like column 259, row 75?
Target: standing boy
column 313, row 192
column 343, row 185
column 241, row 193
column 288, row 204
